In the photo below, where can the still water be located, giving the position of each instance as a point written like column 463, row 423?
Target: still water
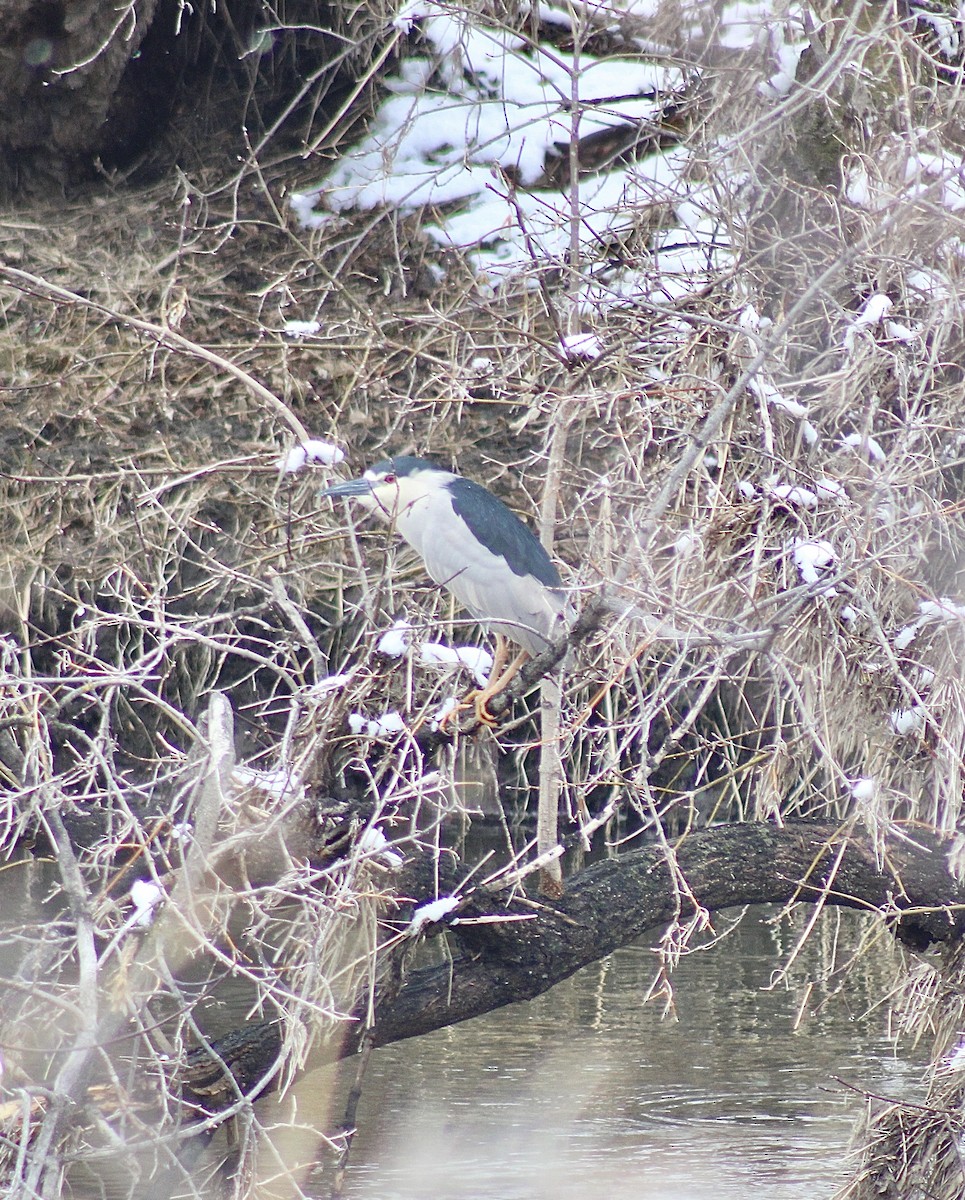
column 589, row 1090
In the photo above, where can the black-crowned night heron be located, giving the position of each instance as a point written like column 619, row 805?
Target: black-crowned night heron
column 473, row 545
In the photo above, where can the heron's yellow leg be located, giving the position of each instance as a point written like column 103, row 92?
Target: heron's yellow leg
column 497, row 683
column 499, row 677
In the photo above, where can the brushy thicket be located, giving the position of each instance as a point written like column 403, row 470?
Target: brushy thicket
column 792, row 628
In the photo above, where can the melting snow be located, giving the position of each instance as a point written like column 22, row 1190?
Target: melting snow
column 373, row 841
column 312, row 450
column 813, row 560
column 388, row 723
column 906, row 721
column 395, row 642
column 581, row 345
column 956, row 1060
column 146, row 896
column 791, row 493
column 300, row 329
column 448, row 706
column 475, row 658
column 830, row 489
column 873, row 312
column 430, row 913
column 332, row 683
column 687, row 545
column 870, row 447
column 280, row 783
column 931, row 612
column 762, row 386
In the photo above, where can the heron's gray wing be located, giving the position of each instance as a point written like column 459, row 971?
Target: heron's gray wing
column 498, row 528
column 520, row 606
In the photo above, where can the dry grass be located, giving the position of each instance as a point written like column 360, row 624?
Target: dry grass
column 152, row 556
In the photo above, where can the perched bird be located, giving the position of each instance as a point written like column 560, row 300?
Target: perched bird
column 473, row 545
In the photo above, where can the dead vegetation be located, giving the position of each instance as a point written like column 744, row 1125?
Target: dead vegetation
column 766, row 482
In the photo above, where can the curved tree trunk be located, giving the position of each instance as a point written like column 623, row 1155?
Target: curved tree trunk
column 610, row 904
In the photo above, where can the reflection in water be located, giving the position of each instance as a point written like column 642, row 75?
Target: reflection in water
column 587, row 1089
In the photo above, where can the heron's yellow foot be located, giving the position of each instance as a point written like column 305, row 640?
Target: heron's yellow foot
column 478, row 701
column 499, row 679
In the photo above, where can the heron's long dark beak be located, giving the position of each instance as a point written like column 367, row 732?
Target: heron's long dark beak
column 351, row 487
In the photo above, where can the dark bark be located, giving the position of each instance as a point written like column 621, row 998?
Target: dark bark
column 616, row 901
column 60, row 67
column 90, row 87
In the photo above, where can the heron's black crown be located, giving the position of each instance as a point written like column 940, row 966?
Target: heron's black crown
column 404, row 464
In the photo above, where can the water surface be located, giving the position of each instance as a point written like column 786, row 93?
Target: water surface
column 588, row 1091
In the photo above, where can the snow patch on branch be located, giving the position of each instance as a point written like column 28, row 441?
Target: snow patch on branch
column 312, row 450
column 431, row 913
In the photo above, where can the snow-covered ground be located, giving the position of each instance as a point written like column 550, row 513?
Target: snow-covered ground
column 477, row 121
column 476, row 114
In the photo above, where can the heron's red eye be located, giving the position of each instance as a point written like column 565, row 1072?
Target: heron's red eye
column 388, row 479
